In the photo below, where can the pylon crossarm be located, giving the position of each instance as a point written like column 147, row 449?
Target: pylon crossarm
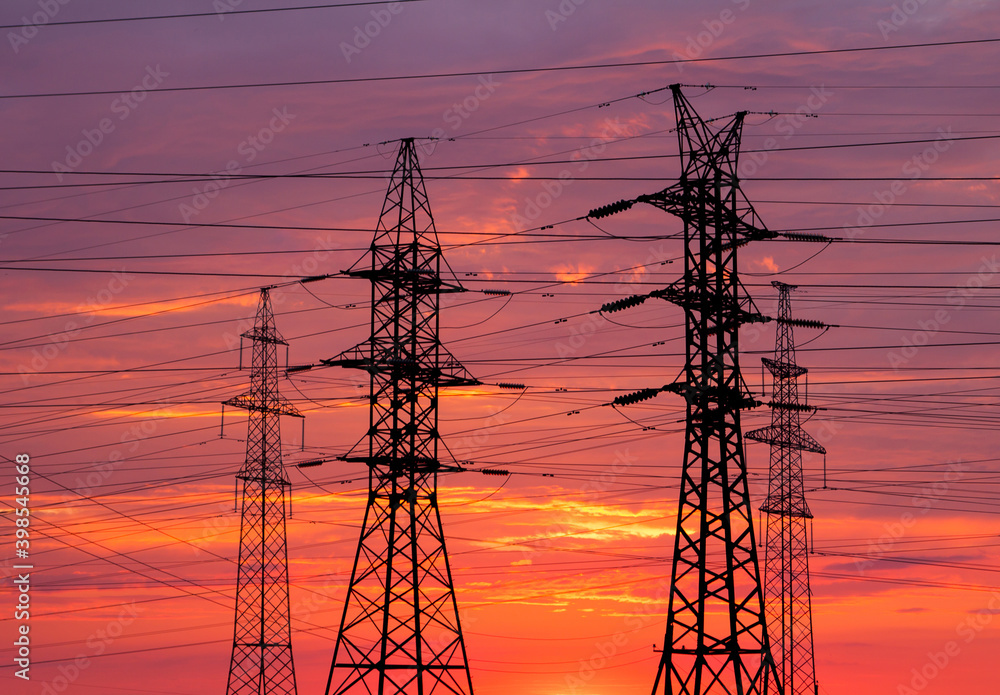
column 784, row 437
column 274, row 406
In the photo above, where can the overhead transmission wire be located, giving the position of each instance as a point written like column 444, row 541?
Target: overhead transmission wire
column 588, row 107
column 874, row 327
column 187, row 177
column 520, row 71
column 161, row 363
column 621, row 99
column 228, row 12
column 158, row 529
column 15, row 344
column 456, row 137
column 168, row 328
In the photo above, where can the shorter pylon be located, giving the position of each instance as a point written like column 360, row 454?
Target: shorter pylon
column 787, row 595
column 261, row 662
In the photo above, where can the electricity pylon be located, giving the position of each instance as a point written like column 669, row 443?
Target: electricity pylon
column 787, row 598
column 716, row 640
column 400, row 631
column 261, row 661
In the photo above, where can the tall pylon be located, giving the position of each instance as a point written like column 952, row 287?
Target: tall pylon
column 400, row 631
column 716, row 641
column 261, row 662
column 787, row 597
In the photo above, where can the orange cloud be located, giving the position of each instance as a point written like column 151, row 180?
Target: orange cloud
column 164, row 414
column 767, row 263
column 129, row 310
column 569, row 274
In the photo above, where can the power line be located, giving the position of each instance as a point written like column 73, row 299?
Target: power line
column 516, row 71
column 364, row 174
column 224, row 13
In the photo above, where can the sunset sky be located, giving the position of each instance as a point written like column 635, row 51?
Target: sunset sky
column 128, row 272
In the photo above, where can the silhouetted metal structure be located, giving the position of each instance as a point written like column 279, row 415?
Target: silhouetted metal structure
column 400, row 631
column 716, row 640
column 787, row 597
column 262, row 643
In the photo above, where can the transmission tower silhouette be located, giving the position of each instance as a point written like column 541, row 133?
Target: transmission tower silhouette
column 261, row 660
column 787, row 597
column 400, row 631
column 716, row 640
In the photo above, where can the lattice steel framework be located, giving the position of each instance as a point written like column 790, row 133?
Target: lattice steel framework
column 788, row 600
column 400, row 631
column 261, row 661
column 716, row 640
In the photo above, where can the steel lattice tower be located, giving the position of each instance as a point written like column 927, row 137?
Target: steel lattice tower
column 261, row 661
column 400, row 631
column 786, row 549
column 716, row 640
